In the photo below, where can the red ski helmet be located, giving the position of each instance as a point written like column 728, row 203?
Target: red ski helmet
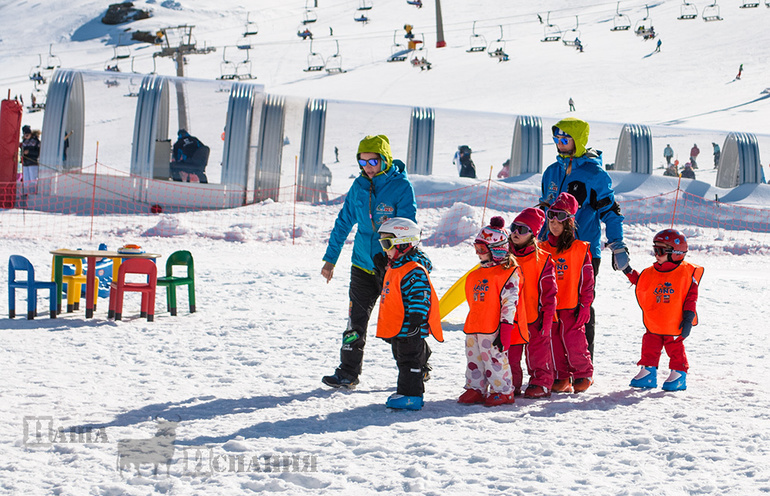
column 675, row 240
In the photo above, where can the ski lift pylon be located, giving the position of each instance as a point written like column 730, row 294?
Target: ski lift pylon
column 687, row 11
column 477, row 42
column 621, row 22
column 551, row 32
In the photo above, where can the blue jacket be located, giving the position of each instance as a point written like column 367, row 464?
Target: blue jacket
column 590, row 184
column 369, row 203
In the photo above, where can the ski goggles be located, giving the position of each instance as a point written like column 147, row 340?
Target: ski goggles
column 390, row 243
column 373, row 162
column 481, row 248
column 559, row 215
column 520, row 229
column 561, row 140
column 662, row 250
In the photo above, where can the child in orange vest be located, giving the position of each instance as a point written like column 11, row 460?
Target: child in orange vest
column 575, row 280
column 492, row 292
column 667, row 292
column 409, row 310
column 540, row 300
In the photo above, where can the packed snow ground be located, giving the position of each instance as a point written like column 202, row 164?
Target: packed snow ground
column 242, row 375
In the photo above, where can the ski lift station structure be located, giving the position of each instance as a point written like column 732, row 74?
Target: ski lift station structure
column 687, row 11
column 620, row 22
column 551, row 32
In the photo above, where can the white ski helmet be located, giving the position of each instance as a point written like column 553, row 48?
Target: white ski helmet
column 406, row 234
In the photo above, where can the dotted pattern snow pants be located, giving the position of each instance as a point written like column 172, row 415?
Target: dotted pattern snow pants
column 487, row 366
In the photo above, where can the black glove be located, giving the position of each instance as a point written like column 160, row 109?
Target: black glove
column 380, row 262
column 498, row 343
column 686, row 326
column 416, row 322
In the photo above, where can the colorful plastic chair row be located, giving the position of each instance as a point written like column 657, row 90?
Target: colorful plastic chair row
column 20, row 263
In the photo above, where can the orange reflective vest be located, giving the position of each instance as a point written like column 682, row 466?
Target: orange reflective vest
column 391, row 317
column 661, row 296
column 532, row 266
column 569, row 272
column 483, row 288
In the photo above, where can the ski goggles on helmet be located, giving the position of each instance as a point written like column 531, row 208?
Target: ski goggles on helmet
column 481, row 248
column 561, row 140
column 390, row 243
column 559, row 215
column 666, row 250
column 373, row 162
column 520, row 229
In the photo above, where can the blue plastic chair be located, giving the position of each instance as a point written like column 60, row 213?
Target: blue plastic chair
column 17, row 262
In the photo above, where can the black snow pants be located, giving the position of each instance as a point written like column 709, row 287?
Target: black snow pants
column 411, row 354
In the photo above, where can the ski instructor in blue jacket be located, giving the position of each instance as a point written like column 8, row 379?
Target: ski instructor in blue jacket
column 578, row 170
column 382, row 191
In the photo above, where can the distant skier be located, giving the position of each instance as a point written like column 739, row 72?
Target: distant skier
column 694, row 152
column 336, row 155
column 571, row 104
column 740, row 70
column 668, row 154
column 657, row 47
column 717, row 154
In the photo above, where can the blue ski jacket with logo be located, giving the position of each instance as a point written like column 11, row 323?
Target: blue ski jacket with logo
column 369, row 203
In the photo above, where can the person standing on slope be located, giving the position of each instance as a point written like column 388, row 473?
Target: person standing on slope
column 578, row 171
column 381, row 191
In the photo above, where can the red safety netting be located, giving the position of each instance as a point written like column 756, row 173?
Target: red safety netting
column 86, row 202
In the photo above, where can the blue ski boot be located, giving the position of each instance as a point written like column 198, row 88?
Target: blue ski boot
column 401, row 402
column 646, row 378
column 677, row 381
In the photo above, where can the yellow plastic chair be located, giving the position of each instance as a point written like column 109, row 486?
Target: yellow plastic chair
column 74, row 284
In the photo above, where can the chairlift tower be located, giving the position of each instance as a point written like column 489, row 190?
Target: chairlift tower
column 177, row 42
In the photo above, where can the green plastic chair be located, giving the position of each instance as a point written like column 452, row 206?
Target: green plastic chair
column 180, row 258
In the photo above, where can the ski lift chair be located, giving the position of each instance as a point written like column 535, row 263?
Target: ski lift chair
column 365, row 5
column 748, row 5
column 496, row 49
column 551, row 32
column 620, row 22
column 20, row 263
column 245, row 43
column 398, row 52
column 416, row 3
column 309, row 17
column 477, row 42
column 571, row 37
column 52, row 62
column 419, row 60
column 315, row 61
column 711, row 12
column 37, row 97
column 687, row 11
column 251, row 27
column 362, row 19
column 181, row 258
column 334, row 63
column 243, row 70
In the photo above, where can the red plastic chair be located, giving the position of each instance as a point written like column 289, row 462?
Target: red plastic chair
column 117, row 288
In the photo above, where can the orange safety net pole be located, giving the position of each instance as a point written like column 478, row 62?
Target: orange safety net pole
column 486, row 196
column 676, row 200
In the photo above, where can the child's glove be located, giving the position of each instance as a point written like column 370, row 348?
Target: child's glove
column 582, row 314
column 503, row 336
column 686, row 326
column 620, row 258
column 633, row 277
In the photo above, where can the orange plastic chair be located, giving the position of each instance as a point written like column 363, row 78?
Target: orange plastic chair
column 74, row 283
column 119, row 286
